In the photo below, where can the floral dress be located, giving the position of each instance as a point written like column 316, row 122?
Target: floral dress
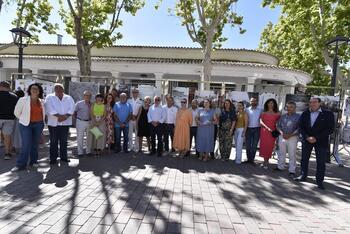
column 109, row 125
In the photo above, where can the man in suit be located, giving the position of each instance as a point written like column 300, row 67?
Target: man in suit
column 315, row 125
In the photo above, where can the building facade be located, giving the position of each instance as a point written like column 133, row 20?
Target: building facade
column 233, row 69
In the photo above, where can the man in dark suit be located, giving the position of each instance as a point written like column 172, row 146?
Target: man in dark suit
column 315, row 125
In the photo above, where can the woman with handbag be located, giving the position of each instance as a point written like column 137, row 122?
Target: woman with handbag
column 268, row 131
column 30, row 111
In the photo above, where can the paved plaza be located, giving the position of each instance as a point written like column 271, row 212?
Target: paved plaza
column 145, row 194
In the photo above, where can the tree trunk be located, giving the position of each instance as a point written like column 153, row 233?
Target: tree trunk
column 207, row 65
column 83, row 49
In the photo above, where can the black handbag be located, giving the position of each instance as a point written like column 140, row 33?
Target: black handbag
column 275, row 133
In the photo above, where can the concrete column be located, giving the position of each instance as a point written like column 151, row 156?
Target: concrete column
column 250, row 87
column 161, row 84
column 75, row 74
column 116, row 79
column 238, row 87
column 3, row 74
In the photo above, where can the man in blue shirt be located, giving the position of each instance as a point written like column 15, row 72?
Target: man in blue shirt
column 122, row 115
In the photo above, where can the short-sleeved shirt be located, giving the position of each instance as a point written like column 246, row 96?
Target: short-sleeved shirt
column 83, row 110
column 122, row 110
column 8, row 102
column 289, row 124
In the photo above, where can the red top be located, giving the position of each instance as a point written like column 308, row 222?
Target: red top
column 36, row 112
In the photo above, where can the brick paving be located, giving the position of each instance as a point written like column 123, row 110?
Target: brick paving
column 145, row 194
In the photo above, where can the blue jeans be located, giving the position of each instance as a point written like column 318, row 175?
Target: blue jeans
column 251, row 141
column 30, row 136
column 118, row 134
column 58, row 135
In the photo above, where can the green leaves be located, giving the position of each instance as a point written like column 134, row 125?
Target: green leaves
column 34, row 16
column 206, row 19
column 299, row 37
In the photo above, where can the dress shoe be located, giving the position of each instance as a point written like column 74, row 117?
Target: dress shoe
column 65, row 160
column 300, row 179
column 320, row 186
column 277, row 169
column 53, row 162
column 291, row 175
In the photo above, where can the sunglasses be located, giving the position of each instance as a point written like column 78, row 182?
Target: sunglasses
column 183, row 102
column 157, row 100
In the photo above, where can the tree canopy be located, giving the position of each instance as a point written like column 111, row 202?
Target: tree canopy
column 299, row 37
column 93, row 23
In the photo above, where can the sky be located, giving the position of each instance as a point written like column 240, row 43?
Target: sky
column 158, row 28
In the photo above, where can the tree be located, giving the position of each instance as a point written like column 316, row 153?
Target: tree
column 93, row 24
column 299, row 37
column 204, row 22
column 33, row 16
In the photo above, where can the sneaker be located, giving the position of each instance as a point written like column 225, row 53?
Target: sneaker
column 7, row 156
column 16, row 169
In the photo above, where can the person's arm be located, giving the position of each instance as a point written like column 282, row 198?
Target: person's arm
column 50, row 110
column 149, row 115
column 19, row 108
column 76, row 109
column 264, row 125
column 302, row 126
column 279, row 126
column 139, row 114
column 246, row 121
column 190, row 118
column 93, row 119
column 130, row 116
column 327, row 129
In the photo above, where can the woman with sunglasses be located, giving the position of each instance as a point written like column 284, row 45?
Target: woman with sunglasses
column 30, row 111
column 182, row 129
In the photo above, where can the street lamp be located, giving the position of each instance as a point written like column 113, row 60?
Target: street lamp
column 337, row 41
column 18, row 34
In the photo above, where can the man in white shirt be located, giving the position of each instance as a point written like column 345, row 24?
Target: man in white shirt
column 59, row 109
column 136, row 104
column 193, row 130
column 169, row 124
column 156, row 117
column 253, row 130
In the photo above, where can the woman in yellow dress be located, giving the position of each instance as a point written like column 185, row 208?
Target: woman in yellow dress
column 182, row 129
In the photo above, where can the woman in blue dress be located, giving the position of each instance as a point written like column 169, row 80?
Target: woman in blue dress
column 205, row 131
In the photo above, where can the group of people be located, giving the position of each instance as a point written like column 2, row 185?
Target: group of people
column 105, row 120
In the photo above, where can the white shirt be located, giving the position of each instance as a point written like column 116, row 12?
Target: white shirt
column 136, row 105
column 156, row 113
column 54, row 105
column 314, row 115
column 194, row 115
column 254, row 117
column 170, row 114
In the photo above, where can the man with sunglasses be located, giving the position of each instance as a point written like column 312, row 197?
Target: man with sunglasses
column 169, row 124
column 156, row 117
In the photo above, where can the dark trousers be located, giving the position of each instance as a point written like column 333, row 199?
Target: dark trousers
column 58, row 135
column 251, row 141
column 168, row 130
column 30, row 136
column 118, row 134
column 157, row 132
column 321, row 156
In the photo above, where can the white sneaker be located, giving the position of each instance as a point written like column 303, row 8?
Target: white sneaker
column 16, row 169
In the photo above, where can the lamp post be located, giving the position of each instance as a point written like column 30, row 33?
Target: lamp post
column 337, row 41
column 18, row 34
